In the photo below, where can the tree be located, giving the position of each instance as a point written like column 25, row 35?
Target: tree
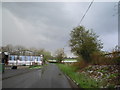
column 84, row 42
column 46, row 54
column 0, row 49
column 7, row 48
column 59, row 54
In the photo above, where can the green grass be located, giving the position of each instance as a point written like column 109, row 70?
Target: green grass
column 81, row 79
column 102, row 71
column 1, row 67
column 35, row 67
column 113, row 75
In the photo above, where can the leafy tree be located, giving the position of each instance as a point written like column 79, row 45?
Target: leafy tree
column 59, row 54
column 84, row 42
column 46, row 54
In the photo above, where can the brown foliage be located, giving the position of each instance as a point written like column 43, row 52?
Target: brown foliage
column 101, row 59
column 81, row 64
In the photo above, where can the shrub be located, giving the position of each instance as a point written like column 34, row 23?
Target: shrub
column 102, row 59
column 81, row 64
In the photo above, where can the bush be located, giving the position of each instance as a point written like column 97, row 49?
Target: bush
column 96, row 57
column 101, row 59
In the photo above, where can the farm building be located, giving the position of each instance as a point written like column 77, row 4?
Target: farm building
column 8, row 59
column 24, row 60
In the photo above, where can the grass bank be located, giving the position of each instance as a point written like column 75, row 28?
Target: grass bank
column 83, row 80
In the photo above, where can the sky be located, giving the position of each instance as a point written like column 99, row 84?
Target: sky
column 48, row 24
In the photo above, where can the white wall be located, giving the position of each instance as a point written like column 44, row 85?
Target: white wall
column 23, row 62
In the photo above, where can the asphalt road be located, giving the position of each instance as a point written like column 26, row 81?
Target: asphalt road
column 48, row 77
column 0, row 80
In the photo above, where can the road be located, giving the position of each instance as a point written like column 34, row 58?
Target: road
column 48, row 77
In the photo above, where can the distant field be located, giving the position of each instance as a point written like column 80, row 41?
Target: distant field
column 70, row 59
column 65, row 60
column 35, row 67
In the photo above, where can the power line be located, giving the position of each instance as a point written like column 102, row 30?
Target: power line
column 86, row 12
column 82, row 19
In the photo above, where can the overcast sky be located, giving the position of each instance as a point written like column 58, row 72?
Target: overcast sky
column 48, row 25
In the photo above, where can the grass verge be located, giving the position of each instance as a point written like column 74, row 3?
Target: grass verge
column 35, row 67
column 82, row 80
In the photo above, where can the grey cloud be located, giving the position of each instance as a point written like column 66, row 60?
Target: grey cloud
column 101, row 18
column 47, row 25
column 0, row 24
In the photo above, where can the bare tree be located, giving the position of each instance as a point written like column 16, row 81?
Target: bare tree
column 7, row 48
